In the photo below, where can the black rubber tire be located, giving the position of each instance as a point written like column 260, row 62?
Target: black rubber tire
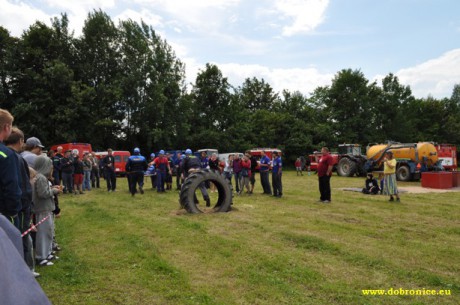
column 403, row 173
column 346, row 167
column 225, row 196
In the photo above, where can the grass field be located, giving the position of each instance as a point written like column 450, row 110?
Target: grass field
column 293, row 250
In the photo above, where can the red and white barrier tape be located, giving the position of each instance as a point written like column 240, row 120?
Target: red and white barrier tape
column 34, row 226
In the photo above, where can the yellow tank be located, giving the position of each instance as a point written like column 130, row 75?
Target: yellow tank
column 413, row 151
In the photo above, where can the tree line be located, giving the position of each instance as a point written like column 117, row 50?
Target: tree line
column 122, row 86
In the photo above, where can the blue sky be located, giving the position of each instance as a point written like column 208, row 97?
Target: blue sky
column 292, row 44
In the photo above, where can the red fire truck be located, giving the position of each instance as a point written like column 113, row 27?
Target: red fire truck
column 81, row 147
column 447, row 153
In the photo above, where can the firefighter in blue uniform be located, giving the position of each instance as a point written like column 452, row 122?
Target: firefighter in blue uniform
column 135, row 167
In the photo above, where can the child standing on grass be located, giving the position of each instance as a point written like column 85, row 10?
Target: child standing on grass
column 43, row 198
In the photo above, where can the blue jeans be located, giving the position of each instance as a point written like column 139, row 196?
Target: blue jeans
column 87, row 180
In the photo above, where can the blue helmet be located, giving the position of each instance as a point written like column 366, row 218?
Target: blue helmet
column 137, row 150
column 162, row 152
column 188, row 151
column 152, row 155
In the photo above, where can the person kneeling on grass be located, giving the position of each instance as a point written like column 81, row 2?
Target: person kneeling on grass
column 371, row 185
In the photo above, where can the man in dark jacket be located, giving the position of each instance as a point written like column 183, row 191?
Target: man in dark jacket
column 10, row 191
column 189, row 165
column 67, row 172
column 108, row 164
column 135, row 168
column 15, row 141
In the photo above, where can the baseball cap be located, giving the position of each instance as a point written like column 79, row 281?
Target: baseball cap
column 33, row 141
column 162, row 152
column 188, row 151
column 137, row 150
column 152, row 155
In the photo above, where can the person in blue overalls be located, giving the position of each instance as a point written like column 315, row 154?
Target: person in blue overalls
column 276, row 175
column 135, row 167
column 264, row 169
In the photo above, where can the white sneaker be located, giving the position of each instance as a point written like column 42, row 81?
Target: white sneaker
column 36, row 274
column 52, row 257
column 45, row 263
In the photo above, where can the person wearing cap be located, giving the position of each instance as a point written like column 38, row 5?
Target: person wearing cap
column 108, row 163
column 10, row 191
column 32, row 148
column 162, row 165
column 67, row 169
column 191, row 164
column 135, row 168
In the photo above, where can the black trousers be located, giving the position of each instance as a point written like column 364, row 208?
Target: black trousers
column 277, row 184
column 265, row 181
column 135, row 178
column 111, row 180
column 325, row 187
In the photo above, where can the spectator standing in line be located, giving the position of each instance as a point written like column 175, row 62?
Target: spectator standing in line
column 32, row 149
column 43, row 198
column 389, row 170
column 67, row 172
column 95, row 173
column 60, row 155
column 77, row 172
column 135, row 167
column 245, row 174
column 56, row 159
column 253, row 171
column 10, row 191
column 277, row 172
column 325, row 166
column 16, row 141
column 108, row 164
column 228, row 169
column 236, row 164
column 264, row 169
column 87, row 168
column 298, row 167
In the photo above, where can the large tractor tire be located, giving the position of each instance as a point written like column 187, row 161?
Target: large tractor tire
column 346, row 167
column 191, row 184
column 403, row 173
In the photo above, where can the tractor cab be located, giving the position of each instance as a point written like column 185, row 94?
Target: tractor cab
column 349, row 149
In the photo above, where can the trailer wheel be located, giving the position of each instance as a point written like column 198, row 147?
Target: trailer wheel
column 191, row 184
column 403, row 173
column 346, row 167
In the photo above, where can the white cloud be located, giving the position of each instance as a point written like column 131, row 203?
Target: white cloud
column 303, row 80
column 144, row 15
column 435, row 77
column 306, row 15
column 18, row 16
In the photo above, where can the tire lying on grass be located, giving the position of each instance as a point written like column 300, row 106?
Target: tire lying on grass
column 191, row 184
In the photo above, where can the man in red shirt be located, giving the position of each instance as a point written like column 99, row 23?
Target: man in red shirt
column 325, row 165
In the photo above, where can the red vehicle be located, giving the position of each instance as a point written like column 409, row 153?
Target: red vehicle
column 314, row 159
column 257, row 152
column 447, row 153
column 121, row 158
column 81, row 147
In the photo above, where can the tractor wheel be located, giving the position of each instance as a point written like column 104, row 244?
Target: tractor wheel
column 191, row 184
column 403, row 173
column 346, row 167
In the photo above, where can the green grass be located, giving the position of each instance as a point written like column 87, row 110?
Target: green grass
column 294, row 250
